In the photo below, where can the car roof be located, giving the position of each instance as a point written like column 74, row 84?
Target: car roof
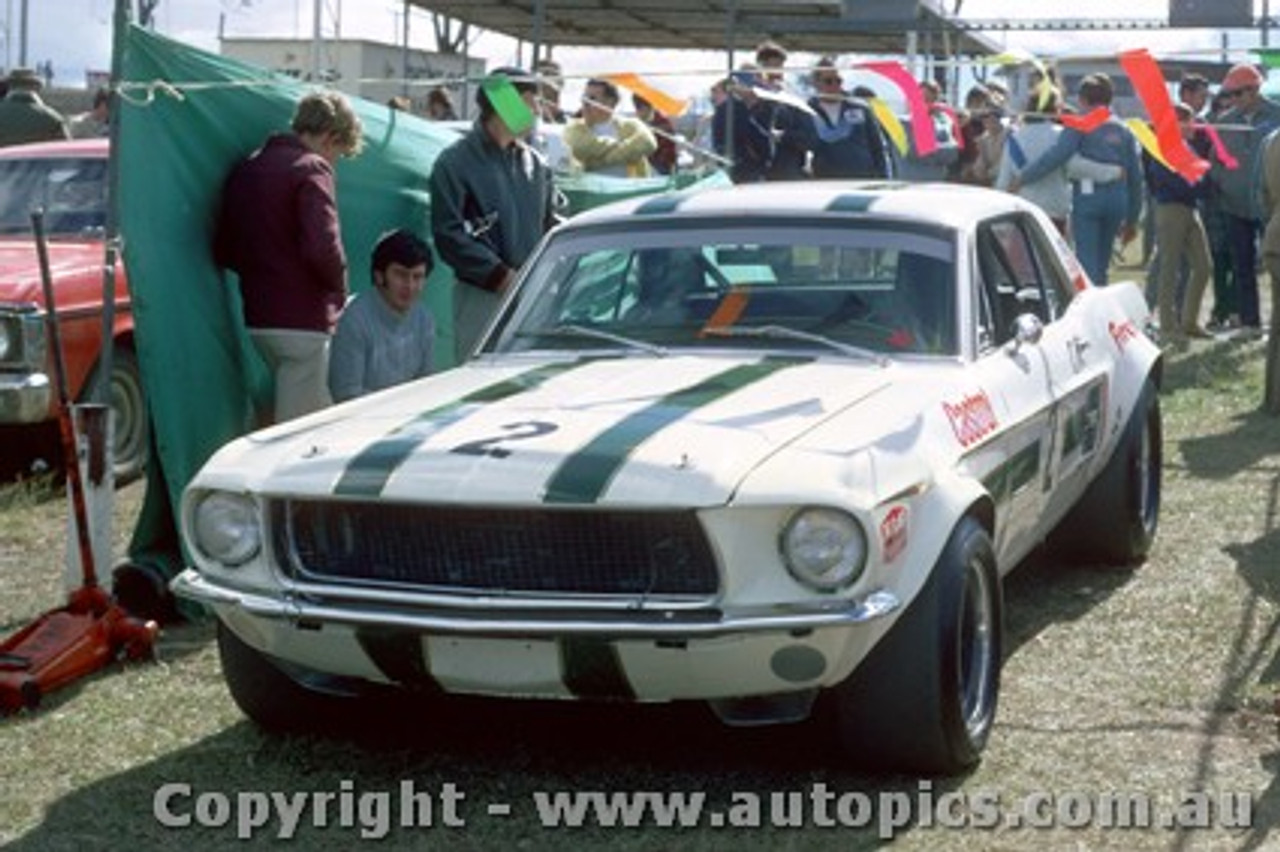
column 95, row 147
column 944, row 204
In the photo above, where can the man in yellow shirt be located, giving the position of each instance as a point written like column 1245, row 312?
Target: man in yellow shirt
column 605, row 143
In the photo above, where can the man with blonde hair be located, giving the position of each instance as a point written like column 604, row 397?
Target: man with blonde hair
column 278, row 230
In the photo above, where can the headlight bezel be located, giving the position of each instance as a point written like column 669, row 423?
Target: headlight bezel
column 834, row 537
column 227, row 527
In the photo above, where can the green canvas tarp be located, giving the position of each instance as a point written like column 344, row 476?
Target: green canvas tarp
column 186, row 117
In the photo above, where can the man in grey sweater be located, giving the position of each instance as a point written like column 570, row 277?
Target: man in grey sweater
column 385, row 335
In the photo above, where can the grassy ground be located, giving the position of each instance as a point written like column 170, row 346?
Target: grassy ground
column 1154, row 682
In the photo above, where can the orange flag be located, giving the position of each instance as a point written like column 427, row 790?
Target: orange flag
column 666, row 104
column 1149, row 83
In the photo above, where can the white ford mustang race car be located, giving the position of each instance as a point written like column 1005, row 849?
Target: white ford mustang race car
column 760, row 447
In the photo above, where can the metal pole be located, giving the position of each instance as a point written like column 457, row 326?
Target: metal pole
column 22, row 36
column 315, row 40
column 404, row 54
column 731, row 41
column 539, row 19
column 1265, row 23
column 111, row 239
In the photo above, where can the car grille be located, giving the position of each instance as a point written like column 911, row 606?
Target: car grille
column 491, row 550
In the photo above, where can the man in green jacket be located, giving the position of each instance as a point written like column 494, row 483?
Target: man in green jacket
column 491, row 202
column 24, row 117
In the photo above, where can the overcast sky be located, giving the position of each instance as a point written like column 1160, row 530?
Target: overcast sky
column 76, row 34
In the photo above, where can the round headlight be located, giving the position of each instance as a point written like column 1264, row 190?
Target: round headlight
column 824, row 548
column 226, row 527
column 8, row 340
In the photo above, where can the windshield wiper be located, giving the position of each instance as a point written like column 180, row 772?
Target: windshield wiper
column 785, row 333
column 575, row 330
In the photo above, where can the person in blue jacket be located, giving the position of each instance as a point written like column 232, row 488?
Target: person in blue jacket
column 847, row 141
column 1099, row 211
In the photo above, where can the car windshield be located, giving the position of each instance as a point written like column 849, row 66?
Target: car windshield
column 858, row 288
column 71, row 191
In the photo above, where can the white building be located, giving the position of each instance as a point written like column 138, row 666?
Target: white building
column 373, row 70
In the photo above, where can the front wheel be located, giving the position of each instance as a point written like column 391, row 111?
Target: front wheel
column 270, row 697
column 925, row 698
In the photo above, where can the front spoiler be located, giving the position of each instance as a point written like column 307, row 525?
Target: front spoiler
column 633, row 623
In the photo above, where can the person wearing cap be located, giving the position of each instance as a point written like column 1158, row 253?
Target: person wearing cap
column 492, row 199
column 603, row 142
column 278, row 230
column 847, row 141
column 1099, row 211
column 1248, row 119
column 24, row 117
column 386, row 334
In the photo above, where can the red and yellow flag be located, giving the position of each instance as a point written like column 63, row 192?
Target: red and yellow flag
column 1150, row 86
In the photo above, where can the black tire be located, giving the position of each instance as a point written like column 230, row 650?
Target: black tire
column 128, row 415
column 1115, row 521
column 275, row 701
column 925, row 699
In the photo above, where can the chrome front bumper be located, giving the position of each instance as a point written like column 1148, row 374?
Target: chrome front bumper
column 633, row 623
column 25, row 397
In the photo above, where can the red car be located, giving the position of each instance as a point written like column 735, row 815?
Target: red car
column 69, row 181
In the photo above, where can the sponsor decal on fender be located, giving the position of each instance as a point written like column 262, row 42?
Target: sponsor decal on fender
column 1122, row 333
column 972, row 419
column 893, row 532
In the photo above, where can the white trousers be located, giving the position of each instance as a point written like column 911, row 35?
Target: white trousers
column 299, row 363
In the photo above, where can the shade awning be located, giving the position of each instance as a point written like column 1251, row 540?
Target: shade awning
column 816, row 26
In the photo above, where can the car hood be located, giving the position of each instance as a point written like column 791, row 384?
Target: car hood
column 626, row 431
column 20, row 266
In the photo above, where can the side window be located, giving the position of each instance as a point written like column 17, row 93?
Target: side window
column 1017, row 259
column 1057, row 284
column 999, row 286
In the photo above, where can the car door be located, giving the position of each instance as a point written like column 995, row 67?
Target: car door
column 1017, row 377
column 1075, row 365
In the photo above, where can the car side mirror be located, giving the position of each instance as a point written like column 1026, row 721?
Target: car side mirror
column 1027, row 331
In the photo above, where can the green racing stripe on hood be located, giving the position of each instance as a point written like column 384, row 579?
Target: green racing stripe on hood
column 584, row 476
column 372, row 467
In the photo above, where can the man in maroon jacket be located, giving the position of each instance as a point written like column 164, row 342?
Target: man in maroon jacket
column 278, row 230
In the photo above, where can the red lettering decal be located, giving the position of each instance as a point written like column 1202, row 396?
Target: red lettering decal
column 973, row 419
column 893, row 533
column 1122, row 333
